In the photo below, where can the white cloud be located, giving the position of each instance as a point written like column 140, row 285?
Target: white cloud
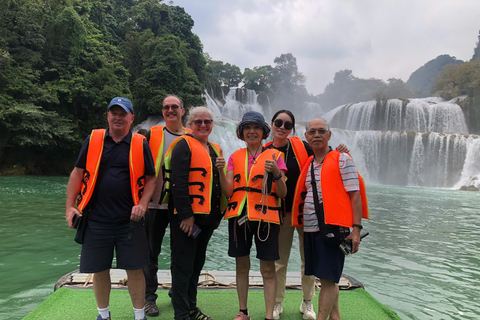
column 380, row 39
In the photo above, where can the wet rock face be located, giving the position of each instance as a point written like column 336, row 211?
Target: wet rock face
column 469, row 188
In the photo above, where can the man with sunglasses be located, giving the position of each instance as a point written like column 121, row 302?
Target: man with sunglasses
column 156, row 219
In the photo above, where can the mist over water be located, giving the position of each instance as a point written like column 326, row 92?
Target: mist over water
column 417, row 142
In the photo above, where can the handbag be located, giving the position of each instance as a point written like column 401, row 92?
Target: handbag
column 331, row 233
column 82, row 225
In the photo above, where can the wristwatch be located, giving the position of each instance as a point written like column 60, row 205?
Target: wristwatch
column 359, row 226
column 277, row 178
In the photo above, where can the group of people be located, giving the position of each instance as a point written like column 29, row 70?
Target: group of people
column 175, row 175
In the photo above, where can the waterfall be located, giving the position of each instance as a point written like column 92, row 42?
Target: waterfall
column 426, row 115
column 416, row 142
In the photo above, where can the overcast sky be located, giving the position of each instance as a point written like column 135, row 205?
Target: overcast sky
column 373, row 38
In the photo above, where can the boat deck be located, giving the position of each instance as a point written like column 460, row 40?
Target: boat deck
column 208, row 279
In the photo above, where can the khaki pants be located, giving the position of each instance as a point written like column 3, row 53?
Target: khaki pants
column 285, row 239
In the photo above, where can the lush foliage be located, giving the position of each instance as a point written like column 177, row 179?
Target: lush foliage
column 347, row 88
column 424, row 77
column 62, row 61
column 283, row 83
column 461, row 80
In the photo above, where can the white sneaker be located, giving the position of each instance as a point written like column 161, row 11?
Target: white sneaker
column 307, row 309
column 277, row 309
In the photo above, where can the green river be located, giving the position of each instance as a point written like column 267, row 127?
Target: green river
column 421, row 258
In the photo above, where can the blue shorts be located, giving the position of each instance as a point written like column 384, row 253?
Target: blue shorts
column 240, row 239
column 101, row 238
column 322, row 259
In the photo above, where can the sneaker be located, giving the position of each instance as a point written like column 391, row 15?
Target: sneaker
column 144, row 318
column 307, row 309
column 151, row 308
column 197, row 314
column 242, row 316
column 99, row 317
column 277, row 310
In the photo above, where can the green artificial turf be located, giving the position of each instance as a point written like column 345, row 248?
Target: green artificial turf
column 74, row 304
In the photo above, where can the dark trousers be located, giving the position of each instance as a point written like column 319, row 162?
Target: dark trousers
column 188, row 258
column 156, row 222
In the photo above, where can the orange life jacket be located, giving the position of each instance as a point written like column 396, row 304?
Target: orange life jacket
column 157, row 143
column 94, row 157
column 200, row 177
column 247, row 192
column 299, row 150
column 336, row 201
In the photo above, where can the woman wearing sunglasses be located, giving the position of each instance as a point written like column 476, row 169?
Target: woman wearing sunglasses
column 254, row 181
column 194, row 207
column 296, row 153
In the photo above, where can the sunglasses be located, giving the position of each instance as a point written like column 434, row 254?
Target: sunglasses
column 199, row 122
column 173, row 107
column 287, row 124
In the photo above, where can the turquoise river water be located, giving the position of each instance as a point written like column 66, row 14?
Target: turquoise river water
column 421, row 258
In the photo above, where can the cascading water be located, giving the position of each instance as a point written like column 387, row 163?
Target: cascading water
column 417, row 142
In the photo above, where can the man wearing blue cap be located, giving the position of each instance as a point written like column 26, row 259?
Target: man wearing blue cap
column 112, row 183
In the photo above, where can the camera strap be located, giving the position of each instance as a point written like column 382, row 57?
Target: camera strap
column 316, row 201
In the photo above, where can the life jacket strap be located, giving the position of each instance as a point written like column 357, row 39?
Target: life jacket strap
column 250, row 189
column 263, row 208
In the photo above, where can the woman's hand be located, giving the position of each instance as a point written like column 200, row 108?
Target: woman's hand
column 187, row 225
column 220, row 163
column 342, row 148
column 271, row 166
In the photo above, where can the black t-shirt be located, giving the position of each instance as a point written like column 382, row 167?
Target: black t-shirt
column 293, row 170
column 113, row 199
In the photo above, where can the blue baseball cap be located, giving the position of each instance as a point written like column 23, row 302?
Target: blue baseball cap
column 122, row 102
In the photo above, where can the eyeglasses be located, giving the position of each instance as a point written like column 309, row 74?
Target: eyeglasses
column 321, row 131
column 173, row 107
column 287, row 124
column 199, row 122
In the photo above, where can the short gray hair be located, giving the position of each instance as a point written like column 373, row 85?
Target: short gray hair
column 175, row 96
column 326, row 123
column 193, row 112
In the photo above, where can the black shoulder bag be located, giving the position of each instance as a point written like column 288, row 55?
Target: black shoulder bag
column 82, row 225
column 329, row 232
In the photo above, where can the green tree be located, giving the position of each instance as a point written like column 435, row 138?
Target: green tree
column 287, row 83
column 258, row 79
column 62, row 61
column 462, row 80
column 422, row 79
column 396, row 88
column 347, row 88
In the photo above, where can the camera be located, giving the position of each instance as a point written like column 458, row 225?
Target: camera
column 76, row 221
column 346, row 245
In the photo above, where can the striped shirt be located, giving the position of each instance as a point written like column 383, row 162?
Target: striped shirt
column 349, row 174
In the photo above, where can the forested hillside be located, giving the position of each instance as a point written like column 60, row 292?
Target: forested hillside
column 62, row 61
